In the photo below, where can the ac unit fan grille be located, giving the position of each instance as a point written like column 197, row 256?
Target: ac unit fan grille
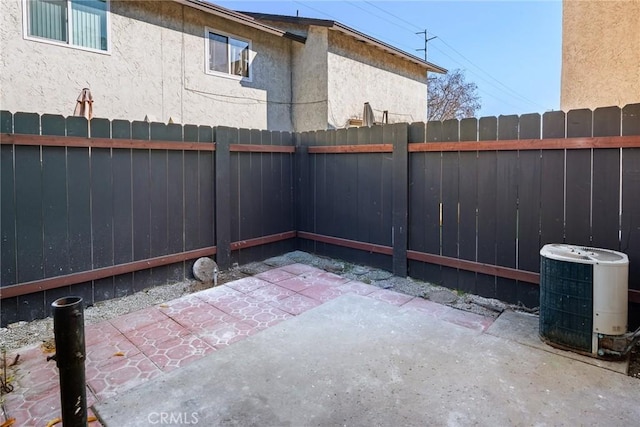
column 566, row 303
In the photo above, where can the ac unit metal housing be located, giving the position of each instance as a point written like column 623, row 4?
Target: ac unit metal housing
column 583, row 298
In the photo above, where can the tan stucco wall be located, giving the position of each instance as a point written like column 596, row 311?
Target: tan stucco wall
column 600, row 53
column 156, row 67
column 310, row 76
column 335, row 74
column 360, row 73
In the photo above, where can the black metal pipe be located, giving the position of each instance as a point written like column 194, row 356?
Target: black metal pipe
column 68, row 327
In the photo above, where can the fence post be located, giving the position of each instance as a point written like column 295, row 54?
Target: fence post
column 400, row 203
column 68, row 328
column 301, row 183
column 225, row 136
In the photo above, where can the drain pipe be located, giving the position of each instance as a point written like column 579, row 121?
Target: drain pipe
column 619, row 345
column 68, row 328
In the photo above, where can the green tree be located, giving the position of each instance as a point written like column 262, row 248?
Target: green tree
column 449, row 96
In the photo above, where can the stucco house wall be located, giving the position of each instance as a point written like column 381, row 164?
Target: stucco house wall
column 155, row 67
column 316, row 76
column 358, row 74
column 600, row 53
column 310, row 80
column 334, row 75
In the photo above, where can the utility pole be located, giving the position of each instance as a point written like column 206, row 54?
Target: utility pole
column 426, row 40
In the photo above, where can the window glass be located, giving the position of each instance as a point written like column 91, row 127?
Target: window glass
column 229, row 55
column 218, row 57
column 48, row 19
column 239, row 54
column 89, row 22
column 85, row 26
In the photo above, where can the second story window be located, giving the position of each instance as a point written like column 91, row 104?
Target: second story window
column 228, row 55
column 81, row 23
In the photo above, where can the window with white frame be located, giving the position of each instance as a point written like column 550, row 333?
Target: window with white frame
column 81, row 23
column 228, row 55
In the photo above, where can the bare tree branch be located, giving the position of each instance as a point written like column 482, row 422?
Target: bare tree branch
column 450, row 97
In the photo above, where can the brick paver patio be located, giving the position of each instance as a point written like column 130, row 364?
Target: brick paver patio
column 129, row 350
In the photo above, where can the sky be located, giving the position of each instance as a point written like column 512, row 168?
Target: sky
column 512, row 50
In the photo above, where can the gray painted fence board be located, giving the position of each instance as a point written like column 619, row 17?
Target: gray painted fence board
column 121, row 129
column 553, row 124
column 607, row 121
column 79, row 196
column 8, row 257
column 102, row 207
column 487, row 204
column 26, row 123
column 122, row 213
column 54, row 211
column 631, row 120
column 29, row 227
column 530, row 125
column 77, row 126
column 529, row 181
column 507, row 199
column 468, row 202
column 630, row 243
column 579, row 123
column 104, row 289
column 208, row 180
column 100, row 128
column 606, row 199
column 123, row 209
column 552, row 197
column 175, row 201
column 191, row 200
column 469, row 129
column 578, row 197
column 141, row 213
column 158, row 237
column 54, row 125
column 141, row 204
column 6, row 121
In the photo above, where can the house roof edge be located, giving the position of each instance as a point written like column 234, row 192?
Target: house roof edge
column 337, row 26
column 232, row 15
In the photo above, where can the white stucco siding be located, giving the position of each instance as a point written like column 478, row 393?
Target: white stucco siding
column 155, row 67
column 262, row 103
column 310, row 77
column 359, row 73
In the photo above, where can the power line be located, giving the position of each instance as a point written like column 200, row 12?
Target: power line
column 316, row 10
column 391, row 14
column 489, row 74
column 395, row 42
column 374, row 14
column 501, row 88
column 513, row 92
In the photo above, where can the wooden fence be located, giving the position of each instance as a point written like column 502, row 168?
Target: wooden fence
column 133, row 206
column 467, row 204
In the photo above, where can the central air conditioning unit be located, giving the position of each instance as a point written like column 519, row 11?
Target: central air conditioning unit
column 583, row 300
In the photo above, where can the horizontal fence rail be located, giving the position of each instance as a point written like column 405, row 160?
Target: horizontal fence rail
column 529, row 144
column 70, row 141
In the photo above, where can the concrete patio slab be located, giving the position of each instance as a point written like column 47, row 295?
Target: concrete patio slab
column 523, row 328
column 358, row 361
